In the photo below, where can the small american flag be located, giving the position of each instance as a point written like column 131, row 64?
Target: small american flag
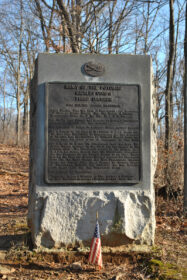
column 95, row 256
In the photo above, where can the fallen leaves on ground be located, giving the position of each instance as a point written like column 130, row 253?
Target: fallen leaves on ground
column 169, row 255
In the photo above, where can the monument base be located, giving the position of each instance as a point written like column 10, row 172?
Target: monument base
column 62, row 218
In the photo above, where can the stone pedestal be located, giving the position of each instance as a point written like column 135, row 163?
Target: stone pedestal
column 79, row 103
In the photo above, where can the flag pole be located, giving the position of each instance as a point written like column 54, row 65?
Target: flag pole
column 97, row 216
column 96, row 222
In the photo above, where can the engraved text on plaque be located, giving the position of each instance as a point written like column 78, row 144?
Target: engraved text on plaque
column 92, row 133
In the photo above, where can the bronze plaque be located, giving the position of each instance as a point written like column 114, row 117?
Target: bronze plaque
column 92, row 133
column 94, row 69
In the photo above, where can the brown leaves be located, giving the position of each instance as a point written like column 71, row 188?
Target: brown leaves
column 170, row 236
column 173, row 161
column 13, row 180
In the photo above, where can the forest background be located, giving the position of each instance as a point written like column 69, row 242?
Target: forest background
column 154, row 27
column 143, row 27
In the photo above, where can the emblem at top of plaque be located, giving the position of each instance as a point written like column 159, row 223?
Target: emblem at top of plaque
column 94, row 69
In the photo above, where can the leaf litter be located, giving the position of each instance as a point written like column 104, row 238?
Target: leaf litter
column 166, row 260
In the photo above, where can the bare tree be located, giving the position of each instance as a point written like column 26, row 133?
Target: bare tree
column 67, row 21
column 185, row 104
column 18, row 51
column 168, row 91
column 4, row 104
column 135, row 26
column 116, row 19
column 18, row 93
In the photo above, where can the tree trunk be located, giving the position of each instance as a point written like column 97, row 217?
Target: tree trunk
column 4, row 104
column 185, row 118
column 25, row 113
column 168, row 92
column 168, row 99
column 110, row 32
column 18, row 121
column 70, row 28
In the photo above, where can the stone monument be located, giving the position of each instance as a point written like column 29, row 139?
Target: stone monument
column 92, row 148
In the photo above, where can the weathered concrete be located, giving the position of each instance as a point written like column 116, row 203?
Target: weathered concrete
column 64, row 214
column 65, row 217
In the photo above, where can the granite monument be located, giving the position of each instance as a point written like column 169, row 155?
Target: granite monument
column 92, row 148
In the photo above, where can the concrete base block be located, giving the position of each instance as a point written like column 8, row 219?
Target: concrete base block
column 66, row 217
